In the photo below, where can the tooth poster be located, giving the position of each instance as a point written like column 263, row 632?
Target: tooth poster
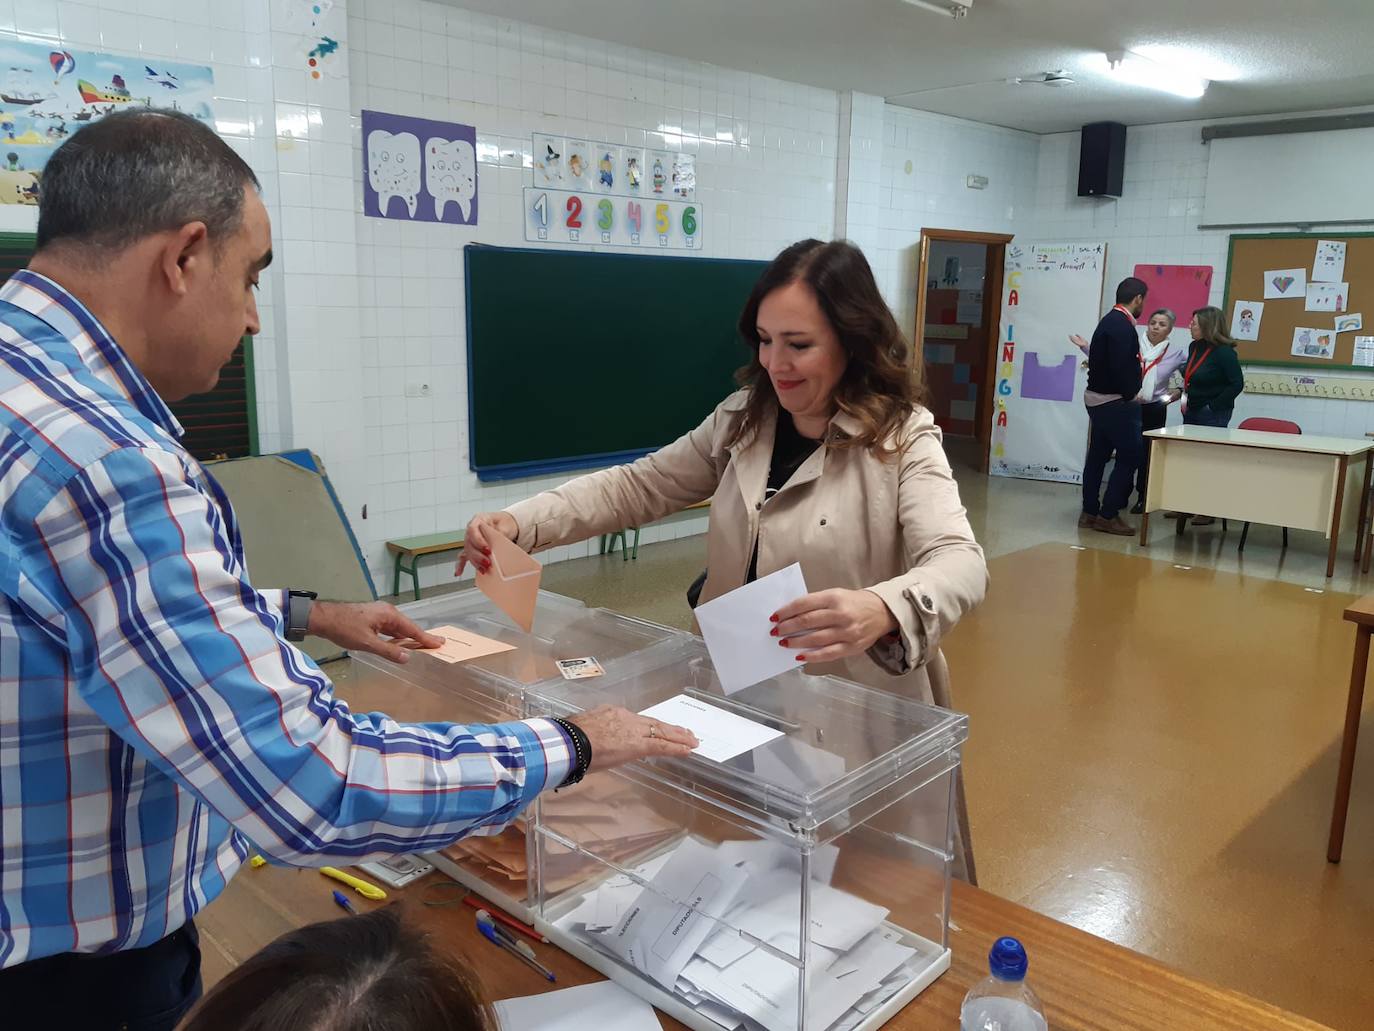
column 47, row 94
column 419, row 170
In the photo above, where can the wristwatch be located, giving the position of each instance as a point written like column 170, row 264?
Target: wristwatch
column 298, row 605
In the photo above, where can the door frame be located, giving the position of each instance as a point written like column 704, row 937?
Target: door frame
column 992, row 299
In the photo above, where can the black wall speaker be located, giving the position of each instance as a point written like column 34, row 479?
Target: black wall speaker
column 1102, row 159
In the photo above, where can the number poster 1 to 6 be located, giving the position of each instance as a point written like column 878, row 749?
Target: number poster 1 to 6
column 602, row 193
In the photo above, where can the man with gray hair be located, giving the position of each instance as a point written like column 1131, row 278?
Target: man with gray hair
column 156, row 726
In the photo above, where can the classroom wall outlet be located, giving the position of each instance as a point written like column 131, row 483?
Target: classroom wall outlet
column 417, row 390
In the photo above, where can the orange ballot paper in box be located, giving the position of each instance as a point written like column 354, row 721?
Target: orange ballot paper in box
column 513, row 583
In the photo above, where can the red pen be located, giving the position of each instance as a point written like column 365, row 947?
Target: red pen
column 509, row 921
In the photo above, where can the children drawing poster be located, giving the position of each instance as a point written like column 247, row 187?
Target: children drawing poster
column 1349, row 323
column 607, row 167
column 1183, row 289
column 1245, row 320
column 684, row 182
column 1314, row 343
column 1327, row 296
column 419, row 170
column 1284, row 283
column 1040, row 427
column 47, row 94
column 631, row 179
column 1329, row 264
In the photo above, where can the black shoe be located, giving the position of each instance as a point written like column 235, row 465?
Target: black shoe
column 1138, row 508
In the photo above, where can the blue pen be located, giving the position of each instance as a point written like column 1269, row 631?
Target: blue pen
column 339, row 898
column 489, row 932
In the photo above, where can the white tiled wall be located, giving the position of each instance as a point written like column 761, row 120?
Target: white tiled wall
column 926, row 160
column 766, row 171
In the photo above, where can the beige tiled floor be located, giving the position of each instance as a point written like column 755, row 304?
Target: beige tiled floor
column 1154, row 738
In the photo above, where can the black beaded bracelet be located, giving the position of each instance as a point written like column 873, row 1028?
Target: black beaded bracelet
column 582, row 751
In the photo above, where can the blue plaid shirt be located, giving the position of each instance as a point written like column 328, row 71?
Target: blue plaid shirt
column 153, row 720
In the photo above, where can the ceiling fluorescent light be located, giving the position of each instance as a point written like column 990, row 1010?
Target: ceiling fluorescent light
column 949, row 8
column 1141, row 71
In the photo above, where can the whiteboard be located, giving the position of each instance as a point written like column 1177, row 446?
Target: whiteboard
column 1039, row 424
column 1293, row 178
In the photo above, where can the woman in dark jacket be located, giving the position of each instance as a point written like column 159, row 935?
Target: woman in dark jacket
column 1211, row 376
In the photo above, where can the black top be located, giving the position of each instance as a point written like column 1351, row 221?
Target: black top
column 790, row 451
column 1216, row 381
column 1114, row 357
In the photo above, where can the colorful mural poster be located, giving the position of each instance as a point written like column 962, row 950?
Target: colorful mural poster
column 47, row 94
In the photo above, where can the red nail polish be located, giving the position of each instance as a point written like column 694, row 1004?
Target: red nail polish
column 782, row 643
column 486, row 552
column 801, row 658
column 773, row 618
column 773, row 632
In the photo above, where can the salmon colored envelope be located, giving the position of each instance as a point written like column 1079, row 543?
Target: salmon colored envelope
column 513, row 583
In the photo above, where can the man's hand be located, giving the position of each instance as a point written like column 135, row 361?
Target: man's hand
column 619, row 736
column 359, row 628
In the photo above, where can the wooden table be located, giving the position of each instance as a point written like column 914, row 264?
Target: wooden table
column 1086, row 983
column 1362, row 615
column 1282, row 479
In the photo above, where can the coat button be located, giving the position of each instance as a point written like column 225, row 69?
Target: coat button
column 822, row 522
column 927, row 604
column 758, row 506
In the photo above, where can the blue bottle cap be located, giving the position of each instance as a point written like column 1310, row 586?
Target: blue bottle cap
column 1007, row 959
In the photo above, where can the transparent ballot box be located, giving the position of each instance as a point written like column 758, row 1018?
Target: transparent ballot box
column 491, row 689
column 799, row 885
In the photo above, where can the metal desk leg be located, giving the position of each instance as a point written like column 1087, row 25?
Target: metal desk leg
column 1364, row 509
column 1353, row 705
column 1342, row 464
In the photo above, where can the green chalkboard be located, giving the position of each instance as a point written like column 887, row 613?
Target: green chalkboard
column 578, row 359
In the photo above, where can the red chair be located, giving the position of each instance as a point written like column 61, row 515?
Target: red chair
column 1266, row 426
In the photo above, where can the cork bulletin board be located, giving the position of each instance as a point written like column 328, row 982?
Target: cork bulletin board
column 1254, row 255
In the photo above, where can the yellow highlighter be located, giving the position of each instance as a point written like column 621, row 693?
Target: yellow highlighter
column 364, row 888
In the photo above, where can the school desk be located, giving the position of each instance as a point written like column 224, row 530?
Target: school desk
column 1086, row 983
column 1362, row 615
column 1292, row 480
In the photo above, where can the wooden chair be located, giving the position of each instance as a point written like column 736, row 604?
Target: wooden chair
column 1266, row 426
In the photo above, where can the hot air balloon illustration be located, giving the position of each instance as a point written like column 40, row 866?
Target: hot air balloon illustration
column 63, row 63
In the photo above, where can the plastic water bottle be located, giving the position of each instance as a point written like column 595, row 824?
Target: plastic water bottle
column 1003, row 1002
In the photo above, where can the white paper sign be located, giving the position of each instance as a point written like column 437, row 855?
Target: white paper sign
column 722, row 734
column 1327, row 296
column 1364, row 352
column 1245, row 320
column 1349, row 323
column 738, row 629
column 1329, row 264
column 1282, row 283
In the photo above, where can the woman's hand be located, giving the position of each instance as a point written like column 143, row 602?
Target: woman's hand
column 1078, row 342
column 477, row 540
column 831, row 625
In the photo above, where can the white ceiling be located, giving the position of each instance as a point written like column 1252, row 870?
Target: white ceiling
column 1284, row 56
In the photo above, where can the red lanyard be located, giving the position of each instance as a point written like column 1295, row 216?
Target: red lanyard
column 1145, row 369
column 1193, row 366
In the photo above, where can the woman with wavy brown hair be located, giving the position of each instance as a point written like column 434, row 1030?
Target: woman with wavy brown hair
column 825, row 457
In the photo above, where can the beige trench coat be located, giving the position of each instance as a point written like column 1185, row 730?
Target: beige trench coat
column 852, row 519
